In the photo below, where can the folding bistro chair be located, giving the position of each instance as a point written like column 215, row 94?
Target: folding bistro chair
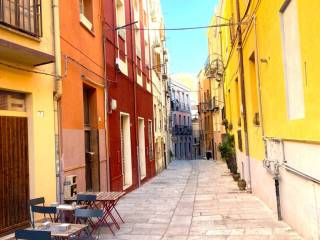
column 92, row 217
column 37, row 201
column 33, row 202
column 32, row 235
column 87, row 199
column 51, row 211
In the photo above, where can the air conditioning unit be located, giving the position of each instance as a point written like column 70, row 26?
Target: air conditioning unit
column 70, row 186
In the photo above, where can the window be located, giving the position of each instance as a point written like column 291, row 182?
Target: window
column 86, row 14
column 22, row 15
column 238, row 100
column 147, row 53
column 184, row 120
column 12, row 101
column 137, row 26
column 292, row 60
column 121, row 19
column 254, row 90
column 138, row 42
column 179, row 120
column 155, row 116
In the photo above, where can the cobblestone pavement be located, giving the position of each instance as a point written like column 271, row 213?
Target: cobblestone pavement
column 196, row 200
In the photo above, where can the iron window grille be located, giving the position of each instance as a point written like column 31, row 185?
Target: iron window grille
column 22, row 15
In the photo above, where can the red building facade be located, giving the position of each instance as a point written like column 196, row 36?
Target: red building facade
column 130, row 101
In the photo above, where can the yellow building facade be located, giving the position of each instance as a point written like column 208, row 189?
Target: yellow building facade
column 278, row 97
column 27, row 83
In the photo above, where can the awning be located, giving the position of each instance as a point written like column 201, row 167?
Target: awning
column 13, row 52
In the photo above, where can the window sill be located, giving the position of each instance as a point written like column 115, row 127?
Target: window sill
column 20, row 33
column 87, row 25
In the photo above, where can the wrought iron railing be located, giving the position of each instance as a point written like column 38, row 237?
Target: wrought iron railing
column 22, row 15
column 182, row 130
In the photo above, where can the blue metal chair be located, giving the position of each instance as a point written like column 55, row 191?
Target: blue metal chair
column 92, row 217
column 51, row 211
column 32, row 235
column 37, row 201
column 87, row 199
column 33, row 202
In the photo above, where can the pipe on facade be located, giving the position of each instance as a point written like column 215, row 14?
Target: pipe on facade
column 106, row 107
column 243, row 96
column 276, row 177
column 258, row 76
column 134, row 93
column 276, row 184
column 57, row 95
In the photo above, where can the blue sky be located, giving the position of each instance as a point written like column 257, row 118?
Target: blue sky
column 187, row 49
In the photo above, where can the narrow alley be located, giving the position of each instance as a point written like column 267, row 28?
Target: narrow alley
column 196, row 200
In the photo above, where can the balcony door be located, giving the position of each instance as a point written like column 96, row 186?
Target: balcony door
column 142, row 149
column 126, row 157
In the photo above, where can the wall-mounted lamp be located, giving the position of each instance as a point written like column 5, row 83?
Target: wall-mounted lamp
column 113, row 105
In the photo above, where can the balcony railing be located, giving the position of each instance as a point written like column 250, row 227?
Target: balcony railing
column 22, row 15
column 178, row 106
column 182, row 130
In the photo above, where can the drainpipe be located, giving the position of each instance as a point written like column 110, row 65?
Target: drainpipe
column 57, row 95
column 243, row 96
column 277, row 175
column 258, row 76
column 106, row 107
column 135, row 92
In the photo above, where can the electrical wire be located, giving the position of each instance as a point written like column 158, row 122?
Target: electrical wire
column 27, row 70
column 182, row 28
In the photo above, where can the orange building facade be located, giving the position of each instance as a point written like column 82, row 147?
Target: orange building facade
column 82, row 118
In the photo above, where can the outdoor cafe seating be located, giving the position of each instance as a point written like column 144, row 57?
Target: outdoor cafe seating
column 90, row 211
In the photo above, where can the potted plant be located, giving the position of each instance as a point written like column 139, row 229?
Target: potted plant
column 171, row 154
column 227, row 151
column 242, row 184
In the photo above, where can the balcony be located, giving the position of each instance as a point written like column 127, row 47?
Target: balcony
column 214, row 67
column 177, row 106
column 22, row 15
column 214, row 105
column 182, row 130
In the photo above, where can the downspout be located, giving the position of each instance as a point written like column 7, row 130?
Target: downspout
column 258, row 76
column 106, row 107
column 57, row 95
column 243, row 92
column 135, row 93
column 106, row 102
column 277, row 176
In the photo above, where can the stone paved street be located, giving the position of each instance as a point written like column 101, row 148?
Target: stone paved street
column 196, row 200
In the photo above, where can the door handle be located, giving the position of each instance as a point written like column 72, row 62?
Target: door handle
column 90, row 153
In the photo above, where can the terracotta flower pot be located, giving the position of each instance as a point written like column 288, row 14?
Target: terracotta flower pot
column 242, row 184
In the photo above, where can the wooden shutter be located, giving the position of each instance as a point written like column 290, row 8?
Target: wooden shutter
column 14, row 174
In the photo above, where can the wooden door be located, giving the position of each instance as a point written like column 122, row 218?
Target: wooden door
column 14, row 174
column 92, row 160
